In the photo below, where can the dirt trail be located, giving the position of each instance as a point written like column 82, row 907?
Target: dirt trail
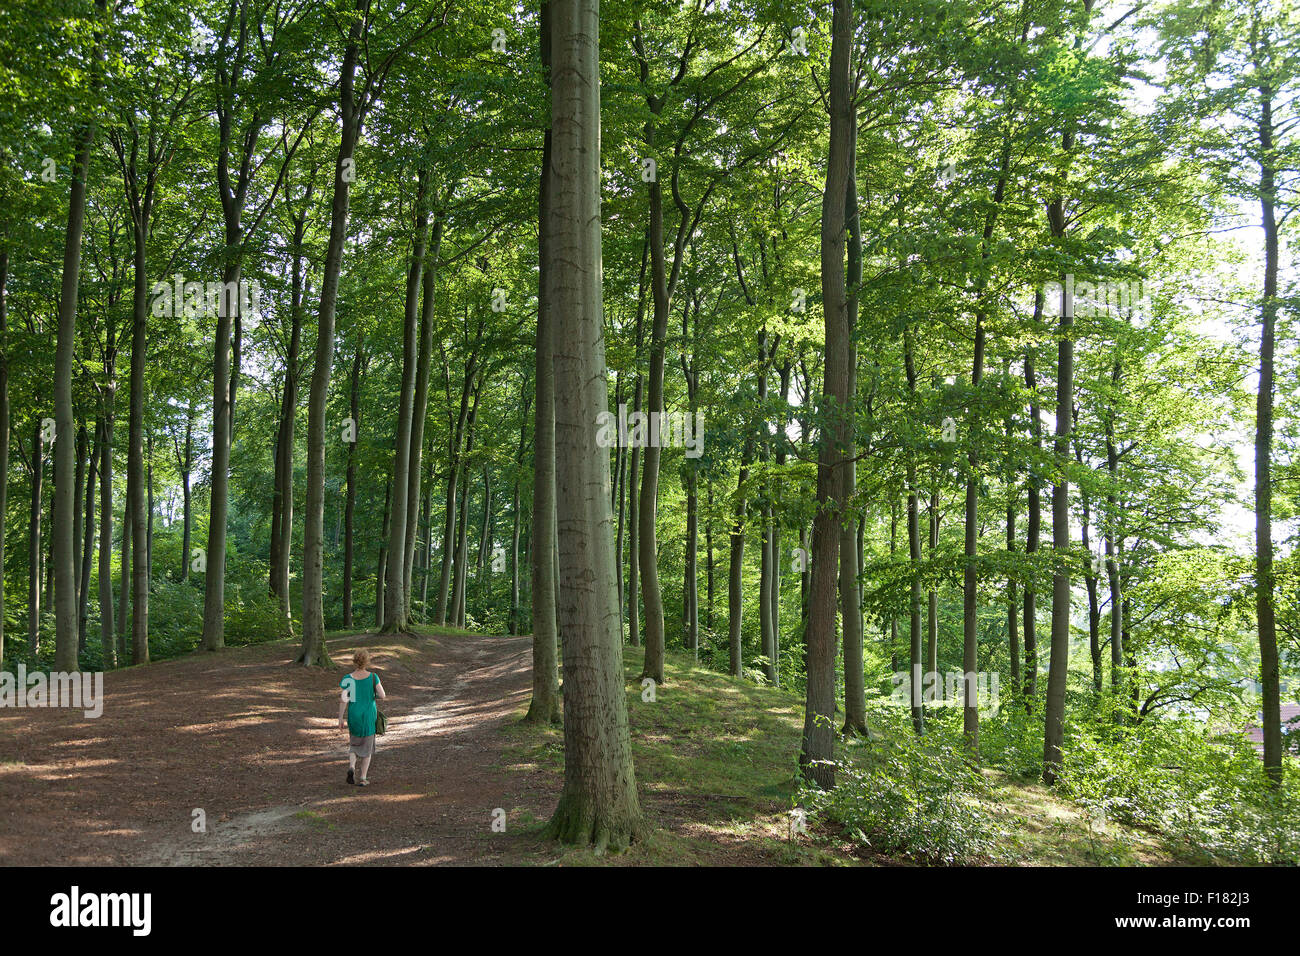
column 252, row 741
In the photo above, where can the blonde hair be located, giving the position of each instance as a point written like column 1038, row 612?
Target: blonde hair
column 361, row 657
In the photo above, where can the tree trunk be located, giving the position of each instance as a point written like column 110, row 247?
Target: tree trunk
column 34, row 545
column 107, row 638
column 77, row 527
column 932, row 615
column 818, row 750
column 620, row 480
column 453, row 486
column 486, row 531
column 514, row 559
column 135, row 476
column 1013, row 599
column 736, row 567
column 4, row 431
column 420, row 408
column 1058, row 668
column 781, row 441
column 914, row 646
column 633, row 545
column 708, row 549
column 395, row 593
column 1112, row 545
column 764, row 526
column 124, row 584
column 313, row 610
column 1035, row 518
column 1266, row 625
column 462, row 523
column 282, row 540
column 186, row 463
column 544, row 708
column 381, row 568
column 64, row 516
column 691, row 588
column 1090, row 582
column 87, row 539
column 598, row 804
column 350, row 505
column 970, row 574
column 855, row 701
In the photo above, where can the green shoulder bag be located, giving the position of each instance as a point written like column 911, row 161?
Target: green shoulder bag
column 381, row 722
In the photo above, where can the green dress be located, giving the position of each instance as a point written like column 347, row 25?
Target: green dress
column 361, row 705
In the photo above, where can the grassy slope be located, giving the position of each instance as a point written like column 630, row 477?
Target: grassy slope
column 715, row 760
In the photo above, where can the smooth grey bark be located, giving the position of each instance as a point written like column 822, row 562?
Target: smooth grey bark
column 350, row 492
column 914, row 645
column 599, row 804
column 420, row 407
column 352, row 115
column 135, row 476
column 1113, row 543
column 855, row 703
column 515, row 516
column 395, row 593
column 124, row 585
column 87, row 540
column 486, row 531
column 634, row 473
column 544, row 707
column 1034, row 517
column 107, row 636
column 736, row 566
column 1265, row 583
column 932, row 614
column 647, row 503
column 620, row 480
column 970, row 573
column 709, row 553
column 1013, row 598
column 34, row 543
column 282, row 530
column 765, row 635
column 381, row 567
column 1058, row 668
column 185, row 464
column 77, row 526
column 633, row 570
column 781, row 443
column 1090, row 576
column 459, row 575
column 64, row 517
column 691, row 580
column 450, row 508
column 4, row 430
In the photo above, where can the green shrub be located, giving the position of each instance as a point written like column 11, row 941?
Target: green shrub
column 911, row 797
column 1204, row 794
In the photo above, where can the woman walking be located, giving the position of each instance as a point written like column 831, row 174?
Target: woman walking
column 357, row 702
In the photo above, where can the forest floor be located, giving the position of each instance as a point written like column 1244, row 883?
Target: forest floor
column 248, row 742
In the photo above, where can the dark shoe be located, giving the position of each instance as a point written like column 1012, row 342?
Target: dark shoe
column 350, row 777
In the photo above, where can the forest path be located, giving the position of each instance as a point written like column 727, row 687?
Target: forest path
column 252, row 741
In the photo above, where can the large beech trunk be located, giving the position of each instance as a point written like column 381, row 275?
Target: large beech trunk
column 598, row 804
column 818, row 750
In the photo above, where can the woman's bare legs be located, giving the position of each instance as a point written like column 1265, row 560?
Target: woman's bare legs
column 365, row 765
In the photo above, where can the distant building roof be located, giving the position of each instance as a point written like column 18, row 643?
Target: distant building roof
column 1290, row 725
